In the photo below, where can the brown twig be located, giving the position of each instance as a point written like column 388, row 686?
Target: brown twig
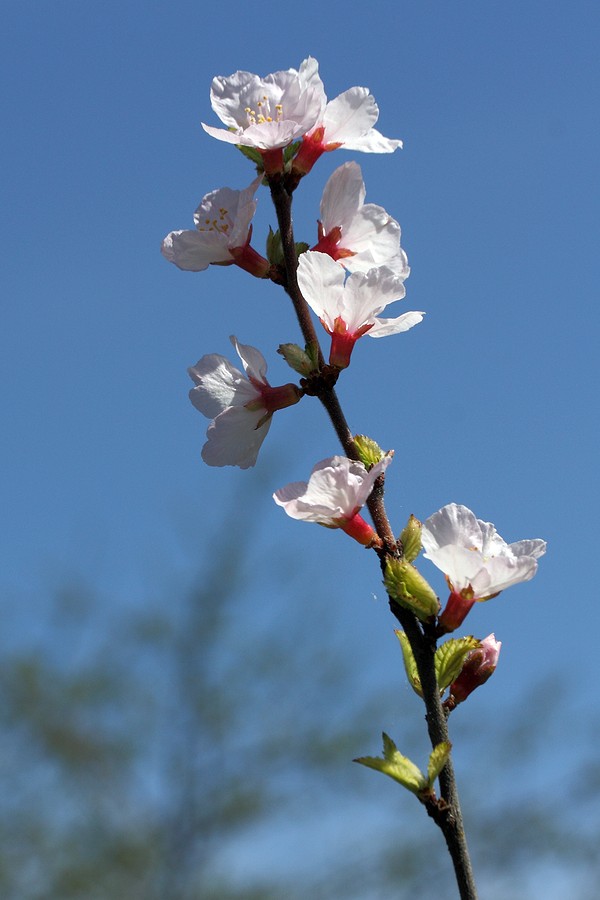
column 446, row 812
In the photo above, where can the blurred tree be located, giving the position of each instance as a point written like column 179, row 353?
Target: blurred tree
column 144, row 749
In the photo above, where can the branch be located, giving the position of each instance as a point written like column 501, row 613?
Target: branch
column 446, row 812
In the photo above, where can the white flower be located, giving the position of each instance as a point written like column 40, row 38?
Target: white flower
column 349, row 305
column 241, row 407
column 336, row 490
column 267, row 113
column 473, row 556
column 347, row 121
column 222, row 231
column 361, row 235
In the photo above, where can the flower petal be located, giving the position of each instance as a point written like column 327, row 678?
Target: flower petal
column 453, row 524
column 234, row 438
column 255, row 365
column 336, row 490
column 223, row 134
column 194, row 251
column 246, row 207
column 219, row 385
column 367, row 294
column 267, row 112
column 534, row 548
column 349, row 116
column 459, row 564
column 226, row 93
column 373, row 142
column 343, row 196
column 471, row 553
column 501, row 572
column 384, row 327
column 374, row 236
column 321, row 281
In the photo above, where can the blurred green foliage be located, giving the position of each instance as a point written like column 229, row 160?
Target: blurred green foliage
column 149, row 747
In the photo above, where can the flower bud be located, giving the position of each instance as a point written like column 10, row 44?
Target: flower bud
column 275, row 248
column 479, row 665
column 405, row 584
column 296, row 358
column 411, row 539
column 369, row 452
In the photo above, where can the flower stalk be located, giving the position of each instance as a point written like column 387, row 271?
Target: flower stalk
column 446, row 812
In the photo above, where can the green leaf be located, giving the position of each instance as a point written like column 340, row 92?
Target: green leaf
column 437, row 760
column 301, row 247
column 396, row 766
column 450, row 658
column 251, row 153
column 410, row 664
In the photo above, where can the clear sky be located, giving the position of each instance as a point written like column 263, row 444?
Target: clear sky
column 491, row 402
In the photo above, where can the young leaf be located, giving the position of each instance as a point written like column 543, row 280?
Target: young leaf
column 396, row 766
column 409, row 663
column 437, row 760
column 251, row 153
column 449, row 659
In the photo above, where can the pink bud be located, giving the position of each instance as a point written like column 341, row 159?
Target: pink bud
column 479, row 665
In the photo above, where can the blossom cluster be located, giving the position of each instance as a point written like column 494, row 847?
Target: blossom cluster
column 353, row 272
column 348, row 277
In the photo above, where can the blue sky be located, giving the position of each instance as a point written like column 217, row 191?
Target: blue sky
column 491, row 402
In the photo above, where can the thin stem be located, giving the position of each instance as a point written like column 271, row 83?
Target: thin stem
column 450, row 819
column 375, row 504
column 282, row 201
column 446, row 811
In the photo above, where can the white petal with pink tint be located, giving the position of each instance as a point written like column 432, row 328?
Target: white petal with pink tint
column 472, row 554
column 337, row 488
column 267, row 113
column 222, row 222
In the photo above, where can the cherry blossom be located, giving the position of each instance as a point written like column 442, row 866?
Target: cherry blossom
column 479, row 665
column 222, row 235
column 241, row 406
column 359, row 235
column 335, row 492
column 349, row 305
column 267, row 113
column 476, row 561
column 347, row 121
